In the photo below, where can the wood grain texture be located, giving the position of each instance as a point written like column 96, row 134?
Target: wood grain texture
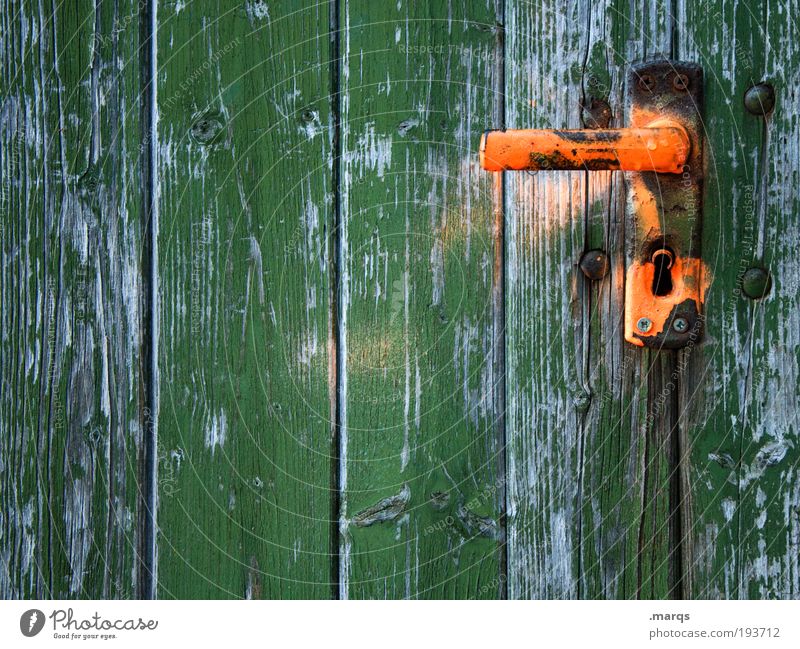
column 421, row 476
column 610, row 442
column 245, row 155
column 543, row 237
column 380, row 372
column 590, row 508
column 70, row 424
column 739, row 402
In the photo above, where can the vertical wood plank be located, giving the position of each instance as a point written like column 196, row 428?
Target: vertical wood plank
column 590, row 508
column 649, row 34
column 420, row 445
column 772, row 484
column 612, row 448
column 544, row 234
column 245, row 155
column 739, row 399
column 71, row 438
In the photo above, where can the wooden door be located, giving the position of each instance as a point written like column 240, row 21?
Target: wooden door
column 269, row 331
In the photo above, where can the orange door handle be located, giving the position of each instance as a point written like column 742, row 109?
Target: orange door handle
column 662, row 146
column 661, row 149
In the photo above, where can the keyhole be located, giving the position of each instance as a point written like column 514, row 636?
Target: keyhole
column 662, row 279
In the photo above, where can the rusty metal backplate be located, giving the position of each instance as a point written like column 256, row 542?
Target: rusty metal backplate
column 666, row 278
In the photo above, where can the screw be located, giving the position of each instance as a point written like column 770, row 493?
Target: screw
column 680, row 325
column 756, row 283
column 644, row 325
column 594, row 264
column 680, row 82
column 646, row 82
column 308, row 115
column 759, row 99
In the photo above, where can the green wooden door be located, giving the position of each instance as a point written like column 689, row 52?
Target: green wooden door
column 269, row 331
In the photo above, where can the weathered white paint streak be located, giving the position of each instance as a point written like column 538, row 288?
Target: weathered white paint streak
column 216, row 431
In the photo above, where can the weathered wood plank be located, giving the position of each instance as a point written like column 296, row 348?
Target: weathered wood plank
column 544, row 233
column 421, row 475
column 611, row 443
column 70, row 425
column 739, row 399
column 245, row 421
column 772, row 483
column 589, row 467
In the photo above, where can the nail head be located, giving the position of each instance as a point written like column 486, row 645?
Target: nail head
column 594, row 264
column 756, row 283
column 759, row 99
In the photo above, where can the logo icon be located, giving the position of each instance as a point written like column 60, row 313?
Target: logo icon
column 31, row 622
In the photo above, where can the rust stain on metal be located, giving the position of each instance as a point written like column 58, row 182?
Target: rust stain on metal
column 663, row 147
column 690, row 280
column 664, row 212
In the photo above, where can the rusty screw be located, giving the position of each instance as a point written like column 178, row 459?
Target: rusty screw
column 680, row 82
column 644, row 325
column 759, row 99
column 594, row 264
column 646, row 82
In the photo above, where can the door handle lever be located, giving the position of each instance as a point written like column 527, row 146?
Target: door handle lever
column 661, row 152
column 662, row 146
